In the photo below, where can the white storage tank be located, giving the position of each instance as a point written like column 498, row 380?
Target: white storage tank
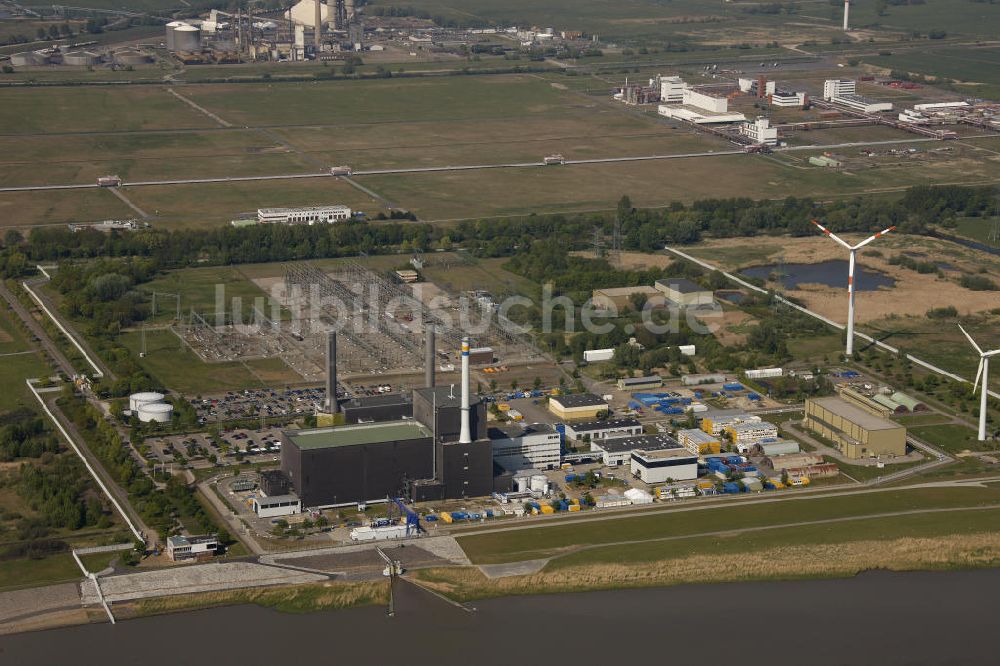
column 187, row 38
column 81, row 58
column 170, row 33
column 137, row 400
column 521, row 483
column 155, row 411
column 539, row 483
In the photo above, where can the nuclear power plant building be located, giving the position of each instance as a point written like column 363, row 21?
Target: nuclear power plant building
column 431, row 446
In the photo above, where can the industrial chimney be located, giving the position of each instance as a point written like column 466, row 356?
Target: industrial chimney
column 847, row 7
column 465, row 436
column 331, row 372
column 319, row 27
column 429, row 353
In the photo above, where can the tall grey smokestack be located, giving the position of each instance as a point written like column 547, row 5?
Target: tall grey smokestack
column 331, row 372
column 429, row 353
column 319, row 27
column 465, row 437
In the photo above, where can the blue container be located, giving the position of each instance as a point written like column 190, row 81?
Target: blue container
column 730, row 488
column 570, row 477
column 489, row 513
column 733, row 386
column 534, row 505
column 431, row 518
column 753, row 396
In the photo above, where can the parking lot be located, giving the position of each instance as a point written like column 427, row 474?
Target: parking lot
column 200, row 450
column 274, row 402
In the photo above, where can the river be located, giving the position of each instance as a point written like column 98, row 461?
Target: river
column 876, row 618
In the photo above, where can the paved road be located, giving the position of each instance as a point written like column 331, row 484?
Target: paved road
column 120, row 494
column 470, row 167
column 38, row 331
column 236, row 528
column 98, row 364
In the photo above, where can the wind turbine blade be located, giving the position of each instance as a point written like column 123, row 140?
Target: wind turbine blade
column 831, row 234
column 869, row 240
column 991, row 353
column 979, row 372
column 970, row 339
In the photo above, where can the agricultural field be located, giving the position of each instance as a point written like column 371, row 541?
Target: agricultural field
column 94, row 109
column 212, row 204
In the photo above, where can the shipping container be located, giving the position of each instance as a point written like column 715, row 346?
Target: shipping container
column 445, row 517
column 730, row 488
column 574, row 507
column 732, row 386
column 547, row 509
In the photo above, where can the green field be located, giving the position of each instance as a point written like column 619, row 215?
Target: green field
column 94, row 109
column 930, row 525
column 524, row 544
column 185, row 372
column 211, row 204
column 950, row 437
column 19, row 574
column 978, row 229
column 25, row 209
column 198, row 289
column 43, row 159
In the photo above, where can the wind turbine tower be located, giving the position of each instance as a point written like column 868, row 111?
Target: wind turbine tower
column 984, row 372
column 847, row 8
column 851, row 282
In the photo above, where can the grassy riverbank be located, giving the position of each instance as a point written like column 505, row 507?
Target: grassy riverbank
column 287, row 598
column 837, row 560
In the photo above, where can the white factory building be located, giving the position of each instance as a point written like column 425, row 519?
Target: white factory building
column 599, row 430
column 695, row 106
column 788, row 99
column 672, row 89
column 760, row 132
column 833, row 88
column 307, row 215
column 862, row 104
column 663, row 465
column 705, row 101
column 517, row 447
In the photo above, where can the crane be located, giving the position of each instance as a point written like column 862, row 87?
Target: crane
column 413, row 526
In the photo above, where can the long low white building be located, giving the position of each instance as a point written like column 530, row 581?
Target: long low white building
column 698, row 116
column 862, row 104
column 306, row 215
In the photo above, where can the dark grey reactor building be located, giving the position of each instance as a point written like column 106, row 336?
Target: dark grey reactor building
column 356, row 463
column 442, row 452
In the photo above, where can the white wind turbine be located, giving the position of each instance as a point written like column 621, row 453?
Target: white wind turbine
column 984, row 371
column 850, row 277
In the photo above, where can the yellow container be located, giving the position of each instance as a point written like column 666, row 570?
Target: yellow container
column 574, row 501
column 503, row 406
column 445, row 517
column 574, row 507
column 705, row 485
column 547, row 509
